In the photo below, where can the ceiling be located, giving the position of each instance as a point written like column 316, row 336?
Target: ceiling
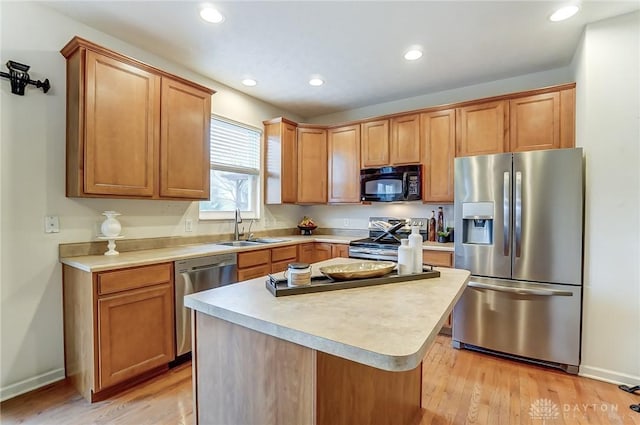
column 357, row 47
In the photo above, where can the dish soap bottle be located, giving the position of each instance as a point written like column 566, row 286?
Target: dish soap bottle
column 415, row 243
column 405, row 258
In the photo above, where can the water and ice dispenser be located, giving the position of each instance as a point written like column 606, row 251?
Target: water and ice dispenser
column 477, row 223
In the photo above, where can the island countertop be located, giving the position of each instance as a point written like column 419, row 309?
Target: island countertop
column 388, row 327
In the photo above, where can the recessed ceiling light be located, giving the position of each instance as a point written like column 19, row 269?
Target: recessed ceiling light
column 316, row 82
column 249, row 82
column 212, row 15
column 564, row 13
column 413, row 54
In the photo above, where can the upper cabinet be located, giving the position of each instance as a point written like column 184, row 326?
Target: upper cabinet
column 405, row 136
column 542, row 121
column 375, row 144
column 312, row 165
column 344, row 164
column 281, row 162
column 482, row 128
column 438, row 141
column 184, row 157
column 132, row 130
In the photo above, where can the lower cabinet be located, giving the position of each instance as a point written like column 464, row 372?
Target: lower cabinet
column 306, row 252
column 440, row 259
column 118, row 327
column 135, row 333
column 340, row 250
column 252, row 264
column 283, row 256
column 324, row 251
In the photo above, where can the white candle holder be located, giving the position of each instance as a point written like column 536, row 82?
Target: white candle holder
column 111, row 228
column 111, row 245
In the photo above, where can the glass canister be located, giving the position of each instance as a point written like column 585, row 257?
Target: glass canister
column 298, row 274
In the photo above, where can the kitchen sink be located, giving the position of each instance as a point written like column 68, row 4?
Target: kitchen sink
column 268, row 240
column 238, row 243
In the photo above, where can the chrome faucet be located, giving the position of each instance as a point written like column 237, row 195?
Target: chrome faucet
column 238, row 220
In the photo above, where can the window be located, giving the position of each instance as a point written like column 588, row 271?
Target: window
column 235, row 171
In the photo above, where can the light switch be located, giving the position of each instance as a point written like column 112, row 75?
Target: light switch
column 188, row 225
column 51, row 224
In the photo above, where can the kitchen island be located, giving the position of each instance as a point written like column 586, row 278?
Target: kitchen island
column 341, row 357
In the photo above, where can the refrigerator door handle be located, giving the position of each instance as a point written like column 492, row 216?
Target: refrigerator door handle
column 505, row 206
column 520, row 291
column 518, row 207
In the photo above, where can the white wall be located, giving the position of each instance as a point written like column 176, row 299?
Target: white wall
column 494, row 88
column 357, row 216
column 607, row 72
column 32, row 159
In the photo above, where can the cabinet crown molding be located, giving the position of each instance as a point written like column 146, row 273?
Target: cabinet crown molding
column 78, row 42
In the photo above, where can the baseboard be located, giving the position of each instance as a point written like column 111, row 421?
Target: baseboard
column 31, row 384
column 610, row 376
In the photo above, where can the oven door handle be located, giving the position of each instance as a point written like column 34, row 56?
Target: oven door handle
column 520, row 291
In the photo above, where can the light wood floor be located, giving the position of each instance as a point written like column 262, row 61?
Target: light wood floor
column 460, row 387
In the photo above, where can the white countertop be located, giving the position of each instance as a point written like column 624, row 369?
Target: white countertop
column 97, row 263
column 389, row 326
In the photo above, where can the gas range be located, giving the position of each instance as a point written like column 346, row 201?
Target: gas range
column 384, row 238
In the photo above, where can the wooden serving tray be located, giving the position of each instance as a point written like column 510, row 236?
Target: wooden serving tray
column 279, row 287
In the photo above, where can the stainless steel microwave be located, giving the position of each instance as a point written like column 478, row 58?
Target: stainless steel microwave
column 389, row 184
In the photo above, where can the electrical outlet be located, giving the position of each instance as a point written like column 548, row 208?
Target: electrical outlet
column 346, row 222
column 51, row 224
column 188, row 225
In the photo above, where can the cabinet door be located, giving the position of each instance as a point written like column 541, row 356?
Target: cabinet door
column 535, row 122
column 121, row 118
column 289, row 164
column 344, row 164
column 437, row 258
column 482, row 129
column 339, row 250
column 438, row 138
column 184, row 141
column 312, row 166
column 322, row 251
column 281, row 162
column 305, row 253
column 405, row 140
column 375, row 144
column 135, row 333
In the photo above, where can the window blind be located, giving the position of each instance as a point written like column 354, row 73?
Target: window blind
column 234, row 148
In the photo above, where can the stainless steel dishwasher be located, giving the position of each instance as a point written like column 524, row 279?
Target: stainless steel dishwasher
column 195, row 275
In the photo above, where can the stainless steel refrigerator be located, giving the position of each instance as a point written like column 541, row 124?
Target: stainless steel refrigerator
column 519, row 230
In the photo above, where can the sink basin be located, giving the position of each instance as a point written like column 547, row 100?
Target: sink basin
column 268, row 240
column 238, row 243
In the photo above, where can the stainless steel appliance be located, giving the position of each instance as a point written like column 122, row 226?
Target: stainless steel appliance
column 520, row 217
column 195, row 275
column 384, row 238
column 388, row 184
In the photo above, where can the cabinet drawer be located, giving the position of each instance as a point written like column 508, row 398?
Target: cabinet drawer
column 138, row 277
column 438, row 258
column 284, row 253
column 253, row 258
column 253, row 272
column 280, row 266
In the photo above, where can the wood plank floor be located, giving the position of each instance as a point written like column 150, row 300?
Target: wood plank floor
column 460, row 387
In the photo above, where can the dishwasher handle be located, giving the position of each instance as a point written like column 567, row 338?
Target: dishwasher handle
column 520, row 291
